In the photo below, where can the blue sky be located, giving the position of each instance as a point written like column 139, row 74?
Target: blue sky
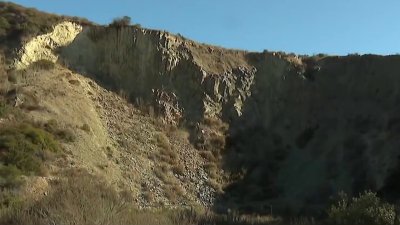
column 304, row 27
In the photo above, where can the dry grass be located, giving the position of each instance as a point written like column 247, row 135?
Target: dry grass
column 167, row 153
column 216, row 124
column 43, row 64
column 208, row 156
column 53, row 127
column 215, row 185
column 71, row 200
column 171, row 195
column 163, row 175
column 212, row 170
column 163, row 141
column 178, row 169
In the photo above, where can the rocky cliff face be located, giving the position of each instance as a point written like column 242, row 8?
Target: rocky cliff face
column 185, row 79
column 300, row 128
column 304, row 137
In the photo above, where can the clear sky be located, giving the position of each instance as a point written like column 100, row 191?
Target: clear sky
column 304, row 27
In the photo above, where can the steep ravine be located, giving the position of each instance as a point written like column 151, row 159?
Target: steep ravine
column 300, row 128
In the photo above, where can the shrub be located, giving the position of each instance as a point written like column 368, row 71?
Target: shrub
column 121, row 22
column 167, row 153
column 65, row 134
column 52, row 127
column 24, row 149
column 208, row 156
column 211, row 169
column 9, row 175
column 161, row 174
column 215, row 123
column 365, row 209
column 171, row 195
column 4, row 109
column 74, row 82
column 43, row 64
column 148, row 196
column 178, row 169
column 85, row 127
column 163, row 142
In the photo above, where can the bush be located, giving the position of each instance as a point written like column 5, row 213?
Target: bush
column 53, row 127
column 121, row 22
column 43, row 64
column 24, row 150
column 178, row 169
column 163, row 141
column 9, row 175
column 85, row 127
column 4, row 109
column 365, row 209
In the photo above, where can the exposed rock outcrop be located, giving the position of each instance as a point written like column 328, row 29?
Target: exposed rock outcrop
column 43, row 47
column 301, row 128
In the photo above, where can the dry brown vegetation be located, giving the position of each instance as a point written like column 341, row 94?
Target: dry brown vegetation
column 81, row 198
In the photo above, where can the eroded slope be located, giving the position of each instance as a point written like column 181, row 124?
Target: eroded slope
column 300, row 128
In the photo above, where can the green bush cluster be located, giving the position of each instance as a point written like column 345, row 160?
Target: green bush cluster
column 362, row 210
column 24, row 149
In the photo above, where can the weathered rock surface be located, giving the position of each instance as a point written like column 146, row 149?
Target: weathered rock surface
column 301, row 128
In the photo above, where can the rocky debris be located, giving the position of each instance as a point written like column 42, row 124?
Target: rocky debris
column 168, row 106
column 133, row 134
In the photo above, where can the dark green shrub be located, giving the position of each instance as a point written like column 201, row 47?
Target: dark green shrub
column 365, row 209
column 9, row 175
column 121, row 22
column 24, row 149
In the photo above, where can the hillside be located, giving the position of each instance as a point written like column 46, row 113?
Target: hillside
column 173, row 123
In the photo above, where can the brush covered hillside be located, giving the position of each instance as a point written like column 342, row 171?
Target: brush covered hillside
column 120, row 124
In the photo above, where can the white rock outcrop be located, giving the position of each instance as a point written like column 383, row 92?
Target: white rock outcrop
column 43, row 46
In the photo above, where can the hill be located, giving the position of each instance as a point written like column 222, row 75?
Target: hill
column 169, row 122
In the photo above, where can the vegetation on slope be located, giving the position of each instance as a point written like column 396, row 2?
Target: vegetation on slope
column 24, row 149
column 18, row 24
